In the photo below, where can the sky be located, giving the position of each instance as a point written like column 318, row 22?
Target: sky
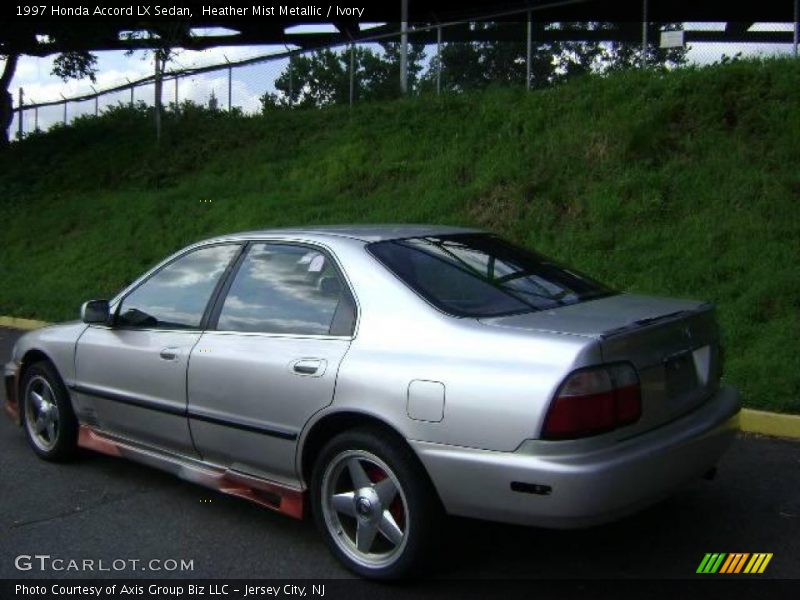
column 248, row 84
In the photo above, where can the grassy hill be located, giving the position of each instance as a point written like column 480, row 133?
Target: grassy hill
column 685, row 184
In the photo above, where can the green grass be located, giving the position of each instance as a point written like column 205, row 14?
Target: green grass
column 683, row 184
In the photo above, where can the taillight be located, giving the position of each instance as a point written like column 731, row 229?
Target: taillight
column 593, row 401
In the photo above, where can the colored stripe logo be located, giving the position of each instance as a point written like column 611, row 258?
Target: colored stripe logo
column 734, row 563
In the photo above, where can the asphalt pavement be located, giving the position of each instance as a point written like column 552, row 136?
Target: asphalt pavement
column 106, row 509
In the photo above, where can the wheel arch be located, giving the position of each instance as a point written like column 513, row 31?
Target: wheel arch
column 334, row 423
column 30, row 358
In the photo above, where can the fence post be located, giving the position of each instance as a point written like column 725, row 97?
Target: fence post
column 20, row 112
column 438, row 60
column 796, row 26
column 404, row 46
column 644, row 33
column 352, row 73
column 157, row 99
column 230, row 82
column 291, row 82
column 529, row 52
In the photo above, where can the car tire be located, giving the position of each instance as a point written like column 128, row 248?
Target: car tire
column 374, row 505
column 47, row 416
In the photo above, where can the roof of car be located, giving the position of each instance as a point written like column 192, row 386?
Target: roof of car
column 366, row 233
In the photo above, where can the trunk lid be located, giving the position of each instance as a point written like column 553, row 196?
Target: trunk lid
column 674, row 345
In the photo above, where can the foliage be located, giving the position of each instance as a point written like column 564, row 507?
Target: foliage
column 69, row 65
column 476, row 65
column 670, row 182
column 75, row 65
column 213, row 102
column 323, row 77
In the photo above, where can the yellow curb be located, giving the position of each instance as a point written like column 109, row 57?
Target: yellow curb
column 752, row 421
column 769, row 423
column 17, row 323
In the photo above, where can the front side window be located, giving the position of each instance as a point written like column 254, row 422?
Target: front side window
column 479, row 275
column 176, row 296
column 288, row 289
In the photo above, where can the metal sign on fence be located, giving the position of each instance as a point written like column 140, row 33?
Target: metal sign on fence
column 672, row 39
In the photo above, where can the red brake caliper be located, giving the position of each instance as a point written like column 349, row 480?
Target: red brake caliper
column 375, row 475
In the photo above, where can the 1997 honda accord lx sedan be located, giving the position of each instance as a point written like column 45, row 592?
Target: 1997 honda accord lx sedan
column 383, row 377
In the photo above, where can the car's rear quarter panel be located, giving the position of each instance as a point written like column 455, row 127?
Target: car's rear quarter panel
column 498, row 383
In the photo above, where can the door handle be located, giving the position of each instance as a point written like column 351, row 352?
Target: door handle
column 309, row 366
column 169, row 353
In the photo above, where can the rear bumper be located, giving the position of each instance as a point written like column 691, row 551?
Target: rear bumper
column 566, row 488
column 11, row 380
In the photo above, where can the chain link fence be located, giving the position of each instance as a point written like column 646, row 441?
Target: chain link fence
column 441, row 59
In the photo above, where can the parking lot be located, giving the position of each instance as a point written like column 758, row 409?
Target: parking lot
column 106, row 508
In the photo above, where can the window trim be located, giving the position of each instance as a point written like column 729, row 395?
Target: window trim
column 120, row 299
column 219, row 300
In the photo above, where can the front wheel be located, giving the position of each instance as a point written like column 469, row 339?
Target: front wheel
column 374, row 505
column 50, row 425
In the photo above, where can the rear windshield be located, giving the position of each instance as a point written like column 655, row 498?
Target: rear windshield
column 480, row 275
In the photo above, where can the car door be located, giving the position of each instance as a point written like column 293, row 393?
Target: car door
column 131, row 376
column 268, row 360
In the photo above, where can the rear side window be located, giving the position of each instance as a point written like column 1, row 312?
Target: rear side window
column 480, row 275
column 289, row 289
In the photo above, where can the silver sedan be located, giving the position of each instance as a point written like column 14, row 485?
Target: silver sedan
column 383, row 377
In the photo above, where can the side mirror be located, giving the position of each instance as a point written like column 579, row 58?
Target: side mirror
column 95, row 311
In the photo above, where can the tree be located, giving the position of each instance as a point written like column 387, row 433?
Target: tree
column 475, row 65
column 379, row 74
column 314, row 80
column 71, row 65
column 620, row 55
column 213, row 103
column 68, row 65
column 323, row 77
column 6, row 100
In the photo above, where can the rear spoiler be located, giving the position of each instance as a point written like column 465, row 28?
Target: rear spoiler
column 661, row 319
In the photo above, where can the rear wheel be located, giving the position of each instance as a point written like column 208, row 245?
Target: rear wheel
column 374, row 506
column 50, row 425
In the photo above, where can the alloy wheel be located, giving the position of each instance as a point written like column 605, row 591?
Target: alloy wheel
column 41, row 413
column 365, row 508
